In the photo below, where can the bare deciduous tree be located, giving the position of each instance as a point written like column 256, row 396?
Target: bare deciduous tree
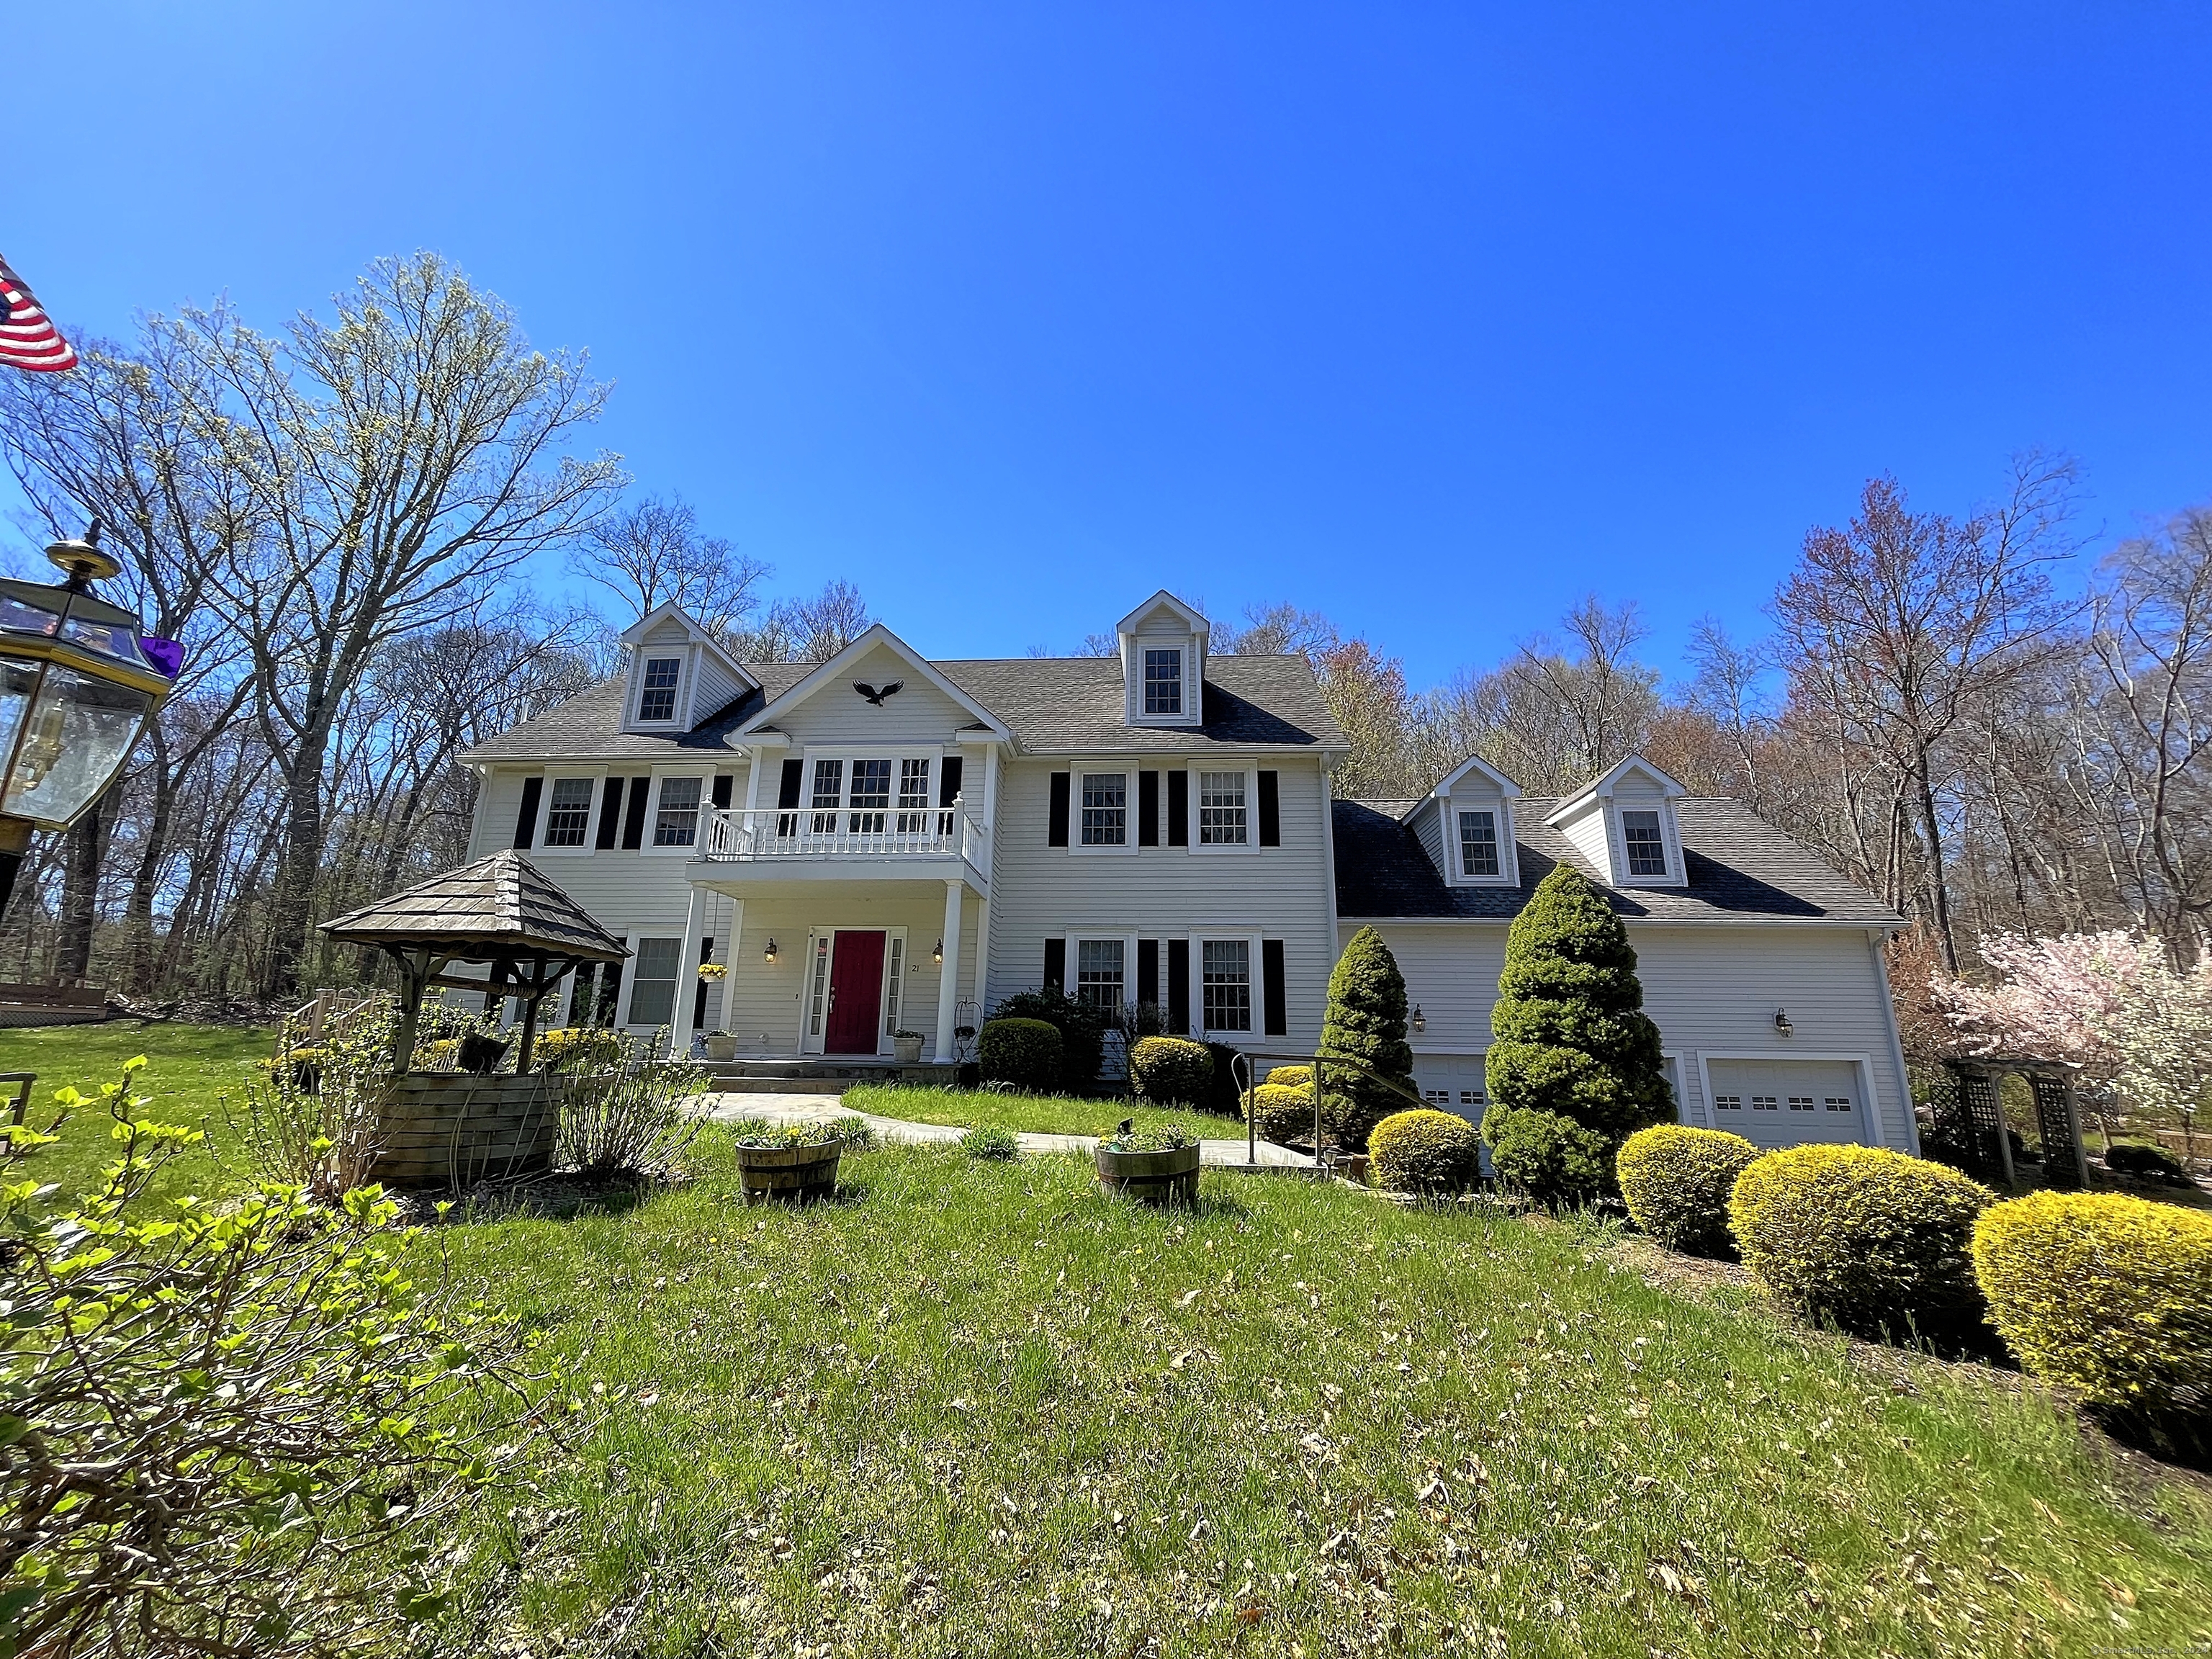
column 651, row 554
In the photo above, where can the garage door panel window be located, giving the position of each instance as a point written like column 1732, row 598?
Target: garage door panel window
column 1784, row 1102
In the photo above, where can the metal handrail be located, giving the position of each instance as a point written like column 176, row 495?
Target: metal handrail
column 1244, row 1057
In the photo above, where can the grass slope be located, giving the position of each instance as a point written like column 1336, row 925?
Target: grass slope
column 1065, row 1115
column 976, row 1409
column 190, row 1068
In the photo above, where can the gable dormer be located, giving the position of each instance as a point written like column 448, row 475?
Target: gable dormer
column 1163, row 662
column 1464, row 824
column 679, row 674
column 1624, row 824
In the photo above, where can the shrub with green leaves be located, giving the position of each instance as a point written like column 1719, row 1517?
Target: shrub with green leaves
column 990, row 1142
column 219, row 1428
column 2110, row 1295
column 1290, row 1076
column 1425, row 1152
column 1569, row 1033
column 1677, row 1182
column 1082, row 1029
column 1869, row 1239
column 1161, row 1138
column 632, row 1114
column 1552, row 1159
column 1178, row 1071
column 2146, row 1163
column 1365, row 1021
column 1283, row 1113
column 1024, row 1053
column 318, row 1125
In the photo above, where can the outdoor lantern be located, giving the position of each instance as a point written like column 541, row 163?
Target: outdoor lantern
column 77, row 684
column 769, row 955
column 1421, row 1019
column 937, row 954
column 1781, row 1021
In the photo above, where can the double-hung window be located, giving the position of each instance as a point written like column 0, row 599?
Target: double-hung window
column 1163, row 681
column 569, row 815
column 1647, row 850
column 1225, row 984
column 1101, row 968
column 1105, row 809
column 1478, row 843
column 653, row 991
column 676, row 822
column 657, row 699
column 1221, row 809
column 829, row 790
column 871, row 794
column 913, row 796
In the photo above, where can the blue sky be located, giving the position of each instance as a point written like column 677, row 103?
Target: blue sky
column 1430, row 317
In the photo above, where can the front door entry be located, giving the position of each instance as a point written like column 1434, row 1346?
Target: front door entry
column 856, row 990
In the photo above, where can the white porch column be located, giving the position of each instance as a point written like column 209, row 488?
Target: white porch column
column 982, row 991
column 948, row 978
column 687, row 976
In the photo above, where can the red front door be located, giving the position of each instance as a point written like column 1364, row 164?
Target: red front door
column 856, row 990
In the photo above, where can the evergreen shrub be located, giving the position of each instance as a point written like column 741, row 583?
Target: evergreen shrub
column 1282, row 1113
column 1081, row 1026
column 1425, row 1152
column 1290, row 1076
column 1177, row 1070
column 2146, row 1163
column 1025, row 1053
column 2110, row 1295
column 1365, row 1021
column 1677, row 1182
column 1872, row 1240
column 1552, row 1159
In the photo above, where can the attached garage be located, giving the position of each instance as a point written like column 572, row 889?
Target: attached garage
column 1453, row 1082
column 1786, row 1102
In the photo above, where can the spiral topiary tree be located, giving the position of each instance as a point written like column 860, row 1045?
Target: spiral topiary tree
column 1571, row 1039
column 1365, row 1021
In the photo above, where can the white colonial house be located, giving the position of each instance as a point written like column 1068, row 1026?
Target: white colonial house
column 884, row 843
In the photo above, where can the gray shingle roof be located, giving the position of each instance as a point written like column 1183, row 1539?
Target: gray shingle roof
column 499, row 906
column 1053, row 705
column 1741, row 869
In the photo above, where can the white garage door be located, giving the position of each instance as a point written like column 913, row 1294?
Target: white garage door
column 1781, row 1102
column 1452, row 1082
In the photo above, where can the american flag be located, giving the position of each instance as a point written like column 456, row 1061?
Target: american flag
column 28, row 337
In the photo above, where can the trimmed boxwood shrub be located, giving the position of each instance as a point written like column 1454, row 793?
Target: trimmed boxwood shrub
column 1365, row 1021
column 1023, row 1052
column 2110, row 1296
column 1283, row 1114
column 1552, row 1159
column 2146, row 1163
column 1082, row 1031
column 1176, row 1069
column 1425, row 1152
column 1873, row 1240
column 1677, row 1182
column 1290, row 1076
column 1570, row 1033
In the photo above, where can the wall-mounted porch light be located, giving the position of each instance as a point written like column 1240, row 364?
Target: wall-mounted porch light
column 1781, row 1021
column 1421, row 1019
column 769, row 954
column 937, row 954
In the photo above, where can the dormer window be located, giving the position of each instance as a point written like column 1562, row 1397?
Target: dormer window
column 1646, row 846
column 657, row 701
column 1478, row 843
column 1163, row 682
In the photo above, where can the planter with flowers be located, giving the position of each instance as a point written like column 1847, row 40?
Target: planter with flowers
column 721, row 1045
column 1158, row 1166
column 797, row 1162
column 906, row 1048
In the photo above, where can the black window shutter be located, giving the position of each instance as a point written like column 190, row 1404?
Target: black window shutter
column 1055, row 834
column 525, row 821
column 1270, row 810
column 1179, row 809
column 1148, row 971
column 948, row 780
column 787, row 792
column 610, row 994
column 634, row 820
column 723, row 783
column 1055, row 963
column 1271, row 978
column 609, row 816
column 1178, row 983
column 1148, row 809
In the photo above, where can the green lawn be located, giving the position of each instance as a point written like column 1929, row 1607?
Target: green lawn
column 190, row 1068
column 975, row 1408
column 1046, row 1114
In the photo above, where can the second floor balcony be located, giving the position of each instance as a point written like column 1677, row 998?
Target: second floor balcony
column 811, row 843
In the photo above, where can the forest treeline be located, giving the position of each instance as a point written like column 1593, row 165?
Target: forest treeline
column 350, row 522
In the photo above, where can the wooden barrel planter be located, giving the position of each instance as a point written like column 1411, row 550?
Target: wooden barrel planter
column 1169, row 1177
column 453, row 1129
column 797, row 1174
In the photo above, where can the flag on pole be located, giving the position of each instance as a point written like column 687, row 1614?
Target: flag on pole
column 28, row 337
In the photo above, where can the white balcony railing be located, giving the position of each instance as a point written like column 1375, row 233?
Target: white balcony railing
column 737, row 834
